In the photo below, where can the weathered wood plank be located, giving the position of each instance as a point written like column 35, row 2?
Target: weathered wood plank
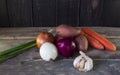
column 9, row 43
column 91, row 12
column 20, row 13
column 109, row 32
column 60, row 67
column 3, row 14
column 44, row 13
column 97, row 10
column 110, row 15
column 85, row 13
column 21, row 33
column 67, row 12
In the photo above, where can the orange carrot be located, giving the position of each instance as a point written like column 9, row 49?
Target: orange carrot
column 92, row 41
column 106, row 43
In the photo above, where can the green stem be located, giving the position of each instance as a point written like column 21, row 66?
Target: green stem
column 14, row 53
column 16, row 48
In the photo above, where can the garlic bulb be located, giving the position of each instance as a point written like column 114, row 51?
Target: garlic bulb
column 83, row 62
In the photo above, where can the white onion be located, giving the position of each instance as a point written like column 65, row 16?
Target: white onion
column 48, row 51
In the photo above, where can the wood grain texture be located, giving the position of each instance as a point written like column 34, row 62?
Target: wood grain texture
column 9, row 43
column 59, row 67
column 31, row 32
column 20, row 12
column 86, row 13
column 3, row 14
column 97, row 10
column 68, row 12
column 91, row 12
column 44, row 13
column 111, row 16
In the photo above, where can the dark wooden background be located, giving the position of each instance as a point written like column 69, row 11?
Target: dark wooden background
column 16, row 13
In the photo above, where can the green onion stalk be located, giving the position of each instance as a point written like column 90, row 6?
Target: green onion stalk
column 9, row 53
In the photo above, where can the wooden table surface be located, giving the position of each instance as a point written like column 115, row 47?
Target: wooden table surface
column 30, row 63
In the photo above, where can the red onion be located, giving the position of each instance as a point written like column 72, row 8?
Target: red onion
column 66, row 47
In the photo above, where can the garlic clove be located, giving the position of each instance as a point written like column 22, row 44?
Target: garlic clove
column 82, row 63
column 89, row 64
column 76, row 62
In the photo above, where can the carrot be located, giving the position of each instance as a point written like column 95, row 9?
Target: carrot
column 92, row 41
column 106, row 43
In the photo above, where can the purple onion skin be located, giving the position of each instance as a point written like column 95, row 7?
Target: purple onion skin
column 66, row 47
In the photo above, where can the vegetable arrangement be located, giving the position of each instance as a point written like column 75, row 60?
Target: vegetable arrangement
column 94, row 39
column 68, row 40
